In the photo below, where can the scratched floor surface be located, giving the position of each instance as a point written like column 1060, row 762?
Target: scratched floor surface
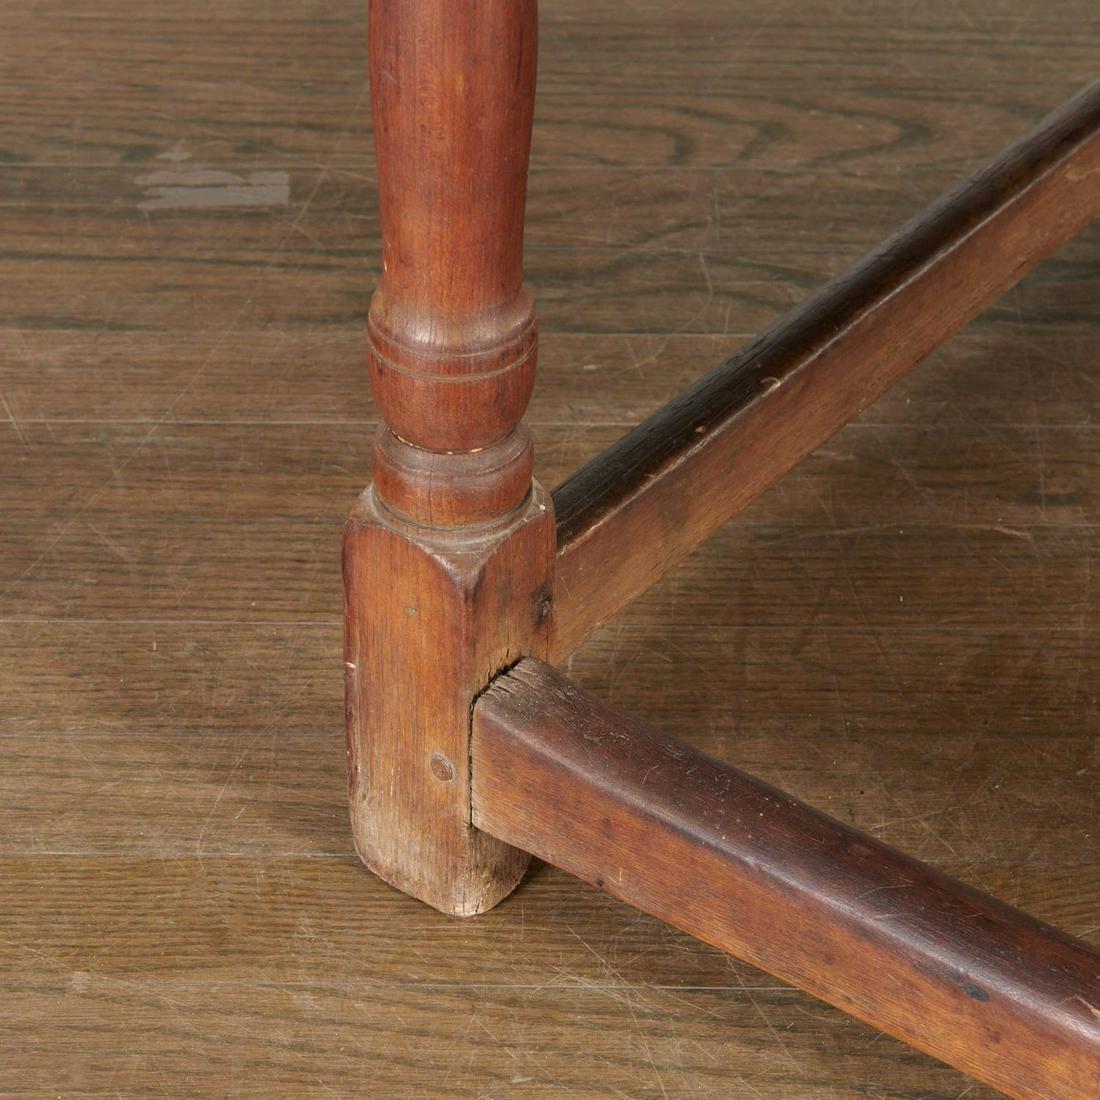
column 904, row 632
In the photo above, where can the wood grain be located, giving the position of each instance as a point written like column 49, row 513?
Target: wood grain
column 666, row 485
column 186, row 421
column 748, row 868
column 447, row 554
column 428, row 623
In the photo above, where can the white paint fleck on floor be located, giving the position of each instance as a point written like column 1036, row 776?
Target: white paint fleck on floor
column 194, row 188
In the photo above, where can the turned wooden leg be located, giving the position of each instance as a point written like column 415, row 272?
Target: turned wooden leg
column 447, row 556
column 450, row 561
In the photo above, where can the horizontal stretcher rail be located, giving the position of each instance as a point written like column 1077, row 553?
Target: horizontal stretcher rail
column 757, row 873
column 635, row 510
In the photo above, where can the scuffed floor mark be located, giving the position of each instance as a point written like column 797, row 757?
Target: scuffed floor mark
column 14, row 423
column 193, row 188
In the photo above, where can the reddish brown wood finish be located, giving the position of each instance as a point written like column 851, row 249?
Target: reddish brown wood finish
column 452, row 326
column 449, row 565
column 447, row 556
column 630, row 514
column 430, row 619
column 757, row 873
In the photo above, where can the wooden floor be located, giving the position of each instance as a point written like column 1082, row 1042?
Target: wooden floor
column 904, row 633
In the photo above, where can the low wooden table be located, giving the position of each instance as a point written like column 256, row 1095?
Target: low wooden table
column 466, row 581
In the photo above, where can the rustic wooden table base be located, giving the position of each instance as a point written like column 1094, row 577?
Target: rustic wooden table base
column 466, row 751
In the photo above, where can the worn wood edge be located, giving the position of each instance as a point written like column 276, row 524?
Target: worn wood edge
column 431, row 616
column 1053, row 171
column 892, row 941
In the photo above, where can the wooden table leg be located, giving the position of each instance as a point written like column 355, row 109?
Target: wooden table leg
column 447, row 556
column 449, row 563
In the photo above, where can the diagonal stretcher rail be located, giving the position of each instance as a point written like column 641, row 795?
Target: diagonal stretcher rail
column 762, row 875
column 627, row 516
